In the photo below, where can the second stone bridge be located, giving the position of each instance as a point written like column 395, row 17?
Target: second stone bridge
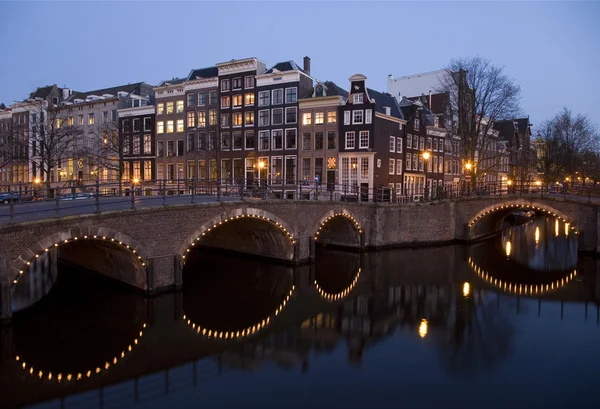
column 146, row 248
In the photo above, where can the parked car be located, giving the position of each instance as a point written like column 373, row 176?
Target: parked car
column 77, row 196
column 5, row 197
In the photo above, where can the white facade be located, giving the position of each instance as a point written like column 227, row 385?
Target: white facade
column 415, row 85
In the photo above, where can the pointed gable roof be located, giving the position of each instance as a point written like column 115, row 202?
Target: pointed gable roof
column 383, row 100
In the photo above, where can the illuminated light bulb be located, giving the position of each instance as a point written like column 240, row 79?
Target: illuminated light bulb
column 40, row 374
column 88, row 374
column 24, row 365
column 79, row 376
column 37, row 255
column 423, row 328
column 106, row 365
column 98, row 370
column 115, row 360
column 129, row 348
column 69, row 377
column 30, row 370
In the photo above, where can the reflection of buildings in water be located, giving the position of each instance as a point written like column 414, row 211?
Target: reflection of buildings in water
column 543, row 244
column 36, row 281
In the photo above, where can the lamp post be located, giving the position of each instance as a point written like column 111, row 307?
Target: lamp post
column 261, row 166
column 509, row 183
column 469, row 166
column 134, row 182
column 426, row 156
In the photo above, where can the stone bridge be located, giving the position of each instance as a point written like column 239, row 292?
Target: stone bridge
column 146, row 247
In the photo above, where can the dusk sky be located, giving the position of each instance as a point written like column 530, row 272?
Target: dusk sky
column 550, row 48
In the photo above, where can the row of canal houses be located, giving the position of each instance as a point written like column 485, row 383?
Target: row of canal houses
column 277, row 127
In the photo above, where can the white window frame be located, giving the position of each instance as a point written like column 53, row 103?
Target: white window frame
column 392, row 166
column 245, row 136
column 149, row 129
column 368, row 116
column 259, row 140
column 246, row 86
column 198, row 100
column 233, row 82
column 285, row 139
column 353, row 135
column 282, row 139
column 260, row 99
column 392, row 144
column 285, row 115
column 285, row 101
column 362, row 117
column 358, row 98
column 268, row 111
column 347, row 117
column 225, row 88
column 409, row 141
column 282, row 96
column 399, row 144
column 408, row 161
column 282, row 117
column 360, row 139
column 398, row 166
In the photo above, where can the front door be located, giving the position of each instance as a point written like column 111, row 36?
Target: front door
column 330, row 180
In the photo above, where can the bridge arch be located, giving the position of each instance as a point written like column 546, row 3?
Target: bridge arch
column 488, row 221
column 94, row 234
column 339, row 228
column 280, row 245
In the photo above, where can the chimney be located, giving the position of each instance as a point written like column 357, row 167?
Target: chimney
column 307, row 65
column 430, row 99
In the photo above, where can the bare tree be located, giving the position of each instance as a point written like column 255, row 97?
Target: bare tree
column 108, row 149
column 479, row 93
column 549, row 150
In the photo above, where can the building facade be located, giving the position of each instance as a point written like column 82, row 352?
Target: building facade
column 138, row 140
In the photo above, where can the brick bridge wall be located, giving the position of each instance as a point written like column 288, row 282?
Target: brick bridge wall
column 157, row 239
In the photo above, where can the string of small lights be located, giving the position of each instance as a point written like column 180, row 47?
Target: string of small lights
column 516, row 288
column 346, row 215
column 68, row 377
column 342, row 294
column 532, row 207
column 286, row 231
column 74, row 239
column 243, row 333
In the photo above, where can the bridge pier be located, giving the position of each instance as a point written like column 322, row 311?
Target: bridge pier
column 164, row 273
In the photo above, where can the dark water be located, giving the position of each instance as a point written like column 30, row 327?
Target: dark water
column 493, row 325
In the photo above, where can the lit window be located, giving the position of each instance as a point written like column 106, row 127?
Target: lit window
column 191, row 119
column 90, row 119
column 249, row 117
column 306, row 118
column 170, row 127
column 225, row 102
column 237, row 101
column 201, row 119
column 212, row 117
column 180, row 125
column 160, row 109
column 319, row 118
column 249, row 98
column 160, row 127
column 331, row 117
column 70, row 121
column 238, row 118
column 169, row 108
column 80, row 120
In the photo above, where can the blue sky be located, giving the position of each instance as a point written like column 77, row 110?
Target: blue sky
column 550, row 48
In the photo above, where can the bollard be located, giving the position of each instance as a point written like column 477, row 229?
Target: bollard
column 132, row 197
column 97, row 196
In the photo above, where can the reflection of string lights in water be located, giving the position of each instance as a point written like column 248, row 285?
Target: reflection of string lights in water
column 517, row 206
column 566, row 229
column 74, row 239
column 346, row 215
column 423, row 328
column 68, row 377
column 466, row 289
column 537, row 235
column 516, row 288
column 342, row 294
column 556, row 228
column 240, row 334
column 242, row 216
column 508, row 248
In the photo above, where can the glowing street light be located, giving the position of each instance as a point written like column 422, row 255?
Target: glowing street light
column 426, row 155
column 466, row 289
column 468, row 165
column 261, row 164
column 136, row 181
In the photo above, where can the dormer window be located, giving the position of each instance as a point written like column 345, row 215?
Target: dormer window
column 358, row 98
column 417, row 125
column 319, row 91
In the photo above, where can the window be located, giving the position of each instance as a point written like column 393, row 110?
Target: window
column 125, row 144
column 201, row 119
column 291, row 95
column 160, row 109
column 237, row 83
column 249, row 99
column 358, row 98
column 347, row 115
column 191, row 171
column 415, row 142
column 392, row 144
column 180, row 150
column 306, row 138
column 90, row 119
column 225, row 102
column 435, row 144
column 441, row 165
column 276, row 169
column 290, row 138
column 225, row 121
column 263, row 117
column 147, row 144
column 190, row 142
column 290, row 169
column 170, row 127
column 277, row 118
column 225, row 85
column 368, row 116
column 392, row 167
column 238, row 119
column 319, row 169
column 104, row 117
column 318, row 141
column 225, row 141
column 147, row 170
column 79, row 120
column 201, row 99
column 201, row 141
column 249, row 140
column 291, row 115
column 277, row 139
column 415, row 160
column 170, row 148
column 429, row 144
column 422, row 143
column 263, row 140
column 398, row 166
column 435, row 164
column 212, row 98
column 160, row 127
column 409, row 141
column 147, row 124
column 408, row 161
column 212, row 140
column 237, row 101
column 306, row 173
column 417, row 124
column 331, row 117
column 125, row 125
column 180, row 125
column 364, row 140
column 350, row 142
column 319, row 118
column 357, row 116
column 306, row 118
column 169, row 108
column 249, row 82
column 331, row 137
column 191, row 119
column 237, row 141
column 69, row 121
column 202, row 169
column 136, row 145
column 58, row 123
column 249, row 118
column 191, row 100
column 136, row 169
column 264, row 98
column 399, row 144
column 277, row 96
column 212, row 117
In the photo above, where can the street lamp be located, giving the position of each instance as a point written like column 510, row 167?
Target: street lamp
column 426, row 156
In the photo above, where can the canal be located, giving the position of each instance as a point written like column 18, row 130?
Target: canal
column 511, row 322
